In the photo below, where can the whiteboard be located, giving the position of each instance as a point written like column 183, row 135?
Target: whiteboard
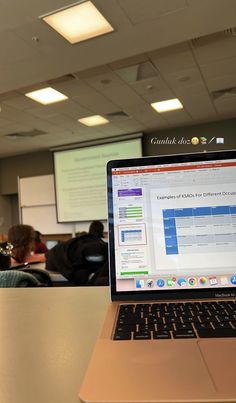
column 37, row 191
column 37, row 205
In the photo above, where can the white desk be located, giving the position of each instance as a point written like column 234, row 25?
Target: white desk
column 47, row 336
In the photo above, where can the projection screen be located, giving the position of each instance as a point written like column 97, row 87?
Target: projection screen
column 80, row 179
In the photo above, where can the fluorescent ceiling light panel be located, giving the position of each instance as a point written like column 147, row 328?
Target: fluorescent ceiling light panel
column 166, row 106
column 78, row 23
column 93, row 120
column 46, row 96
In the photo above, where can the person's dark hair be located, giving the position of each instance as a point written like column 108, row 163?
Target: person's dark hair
column 37, row 236
column 22, row 238
column 96, row 228
column 5, row 255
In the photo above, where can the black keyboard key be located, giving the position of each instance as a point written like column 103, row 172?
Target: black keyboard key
column 183, row 326
column 131, row 321
column 147, row 327
column 221, row 325
column 155, row 320
column 203, row 326
column 127, row 308
column 203, row 333
column 122, row 336
column 162, row 334
column 126, row 328
column 172, row 320
column 145, row 335
column 184, row 334
column 168, row 326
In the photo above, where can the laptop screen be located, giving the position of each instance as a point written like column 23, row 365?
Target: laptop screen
column 173, row 222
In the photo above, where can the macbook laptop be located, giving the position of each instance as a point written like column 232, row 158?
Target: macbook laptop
column 170, row 332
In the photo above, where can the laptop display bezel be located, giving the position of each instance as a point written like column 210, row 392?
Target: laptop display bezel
column 160, row 294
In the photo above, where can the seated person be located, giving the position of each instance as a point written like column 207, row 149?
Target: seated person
column 5, row 255
column 78, row 258
column 96, row 229
column 21, row 236
column 39, row 245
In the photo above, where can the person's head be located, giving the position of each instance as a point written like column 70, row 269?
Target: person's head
column 96, row 228
column 5, row 255
column 22, row 238
column 37, row 236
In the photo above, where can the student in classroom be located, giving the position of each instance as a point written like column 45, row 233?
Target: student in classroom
column 22, row 237
column 81, row 259
column 5, row 255
column 39, row 245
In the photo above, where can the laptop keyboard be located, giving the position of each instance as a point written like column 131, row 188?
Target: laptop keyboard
column 187, row 320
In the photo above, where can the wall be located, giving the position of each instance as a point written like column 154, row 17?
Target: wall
column 5, row 214
column 34, row 164
column 10, row 168
column 178, row 140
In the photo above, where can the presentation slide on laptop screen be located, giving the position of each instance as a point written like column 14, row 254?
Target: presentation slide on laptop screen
column 175, row 225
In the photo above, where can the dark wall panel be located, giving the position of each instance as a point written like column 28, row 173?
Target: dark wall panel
column 210, row 136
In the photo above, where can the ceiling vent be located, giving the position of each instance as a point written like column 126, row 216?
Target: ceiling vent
column 230, row 31
column 29, row 134
column 62, row 79
column 202, row 40
column 224, row 92
column 119, row 115
column 137, row 72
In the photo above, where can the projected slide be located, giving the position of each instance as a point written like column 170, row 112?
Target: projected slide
column 80, row 179
column 200, row 229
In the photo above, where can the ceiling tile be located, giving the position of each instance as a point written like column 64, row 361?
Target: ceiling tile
column 4, row 122
column 131, row 125
column 96, row 102
column 122, row 95
column 43, row 112
column 64, row 122
column 130, row 61
column 22, row 51
column 198, row 105
column 221, row 82
column 71, row 87
column 173, row 58
column 214, row 47
column 226, row 105
column 146, row 115
column 184, row 79
column 101, row 81
column 221, row 68
column 139, row 11
column 177, row 118
column 19, row 102
column 71, row 109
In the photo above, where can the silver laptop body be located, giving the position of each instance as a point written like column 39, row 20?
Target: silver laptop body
column 170, row 331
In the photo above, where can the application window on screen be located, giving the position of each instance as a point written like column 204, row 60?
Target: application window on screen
column 175, row 225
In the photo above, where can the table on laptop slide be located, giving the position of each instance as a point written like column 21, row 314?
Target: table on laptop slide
column 47, row 337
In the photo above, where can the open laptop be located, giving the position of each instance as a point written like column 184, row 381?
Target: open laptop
column 170, row 331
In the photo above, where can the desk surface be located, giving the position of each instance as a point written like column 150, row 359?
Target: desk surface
column 47, row 337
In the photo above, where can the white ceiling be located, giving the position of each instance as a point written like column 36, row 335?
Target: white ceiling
column 160, row 49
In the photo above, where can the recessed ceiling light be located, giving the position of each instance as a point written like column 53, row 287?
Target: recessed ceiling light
column 93, row 120
column 78, row 23
column 46, row 96
column 168, row 105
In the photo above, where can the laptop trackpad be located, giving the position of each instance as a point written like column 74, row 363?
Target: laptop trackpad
column 219, row 356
